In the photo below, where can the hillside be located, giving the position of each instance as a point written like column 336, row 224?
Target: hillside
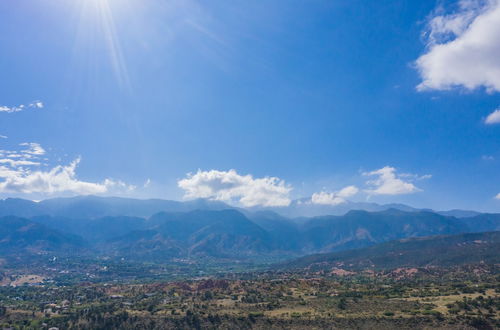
column 222, row 234
column 412, row 252
column 20, row 236
column 361, row 228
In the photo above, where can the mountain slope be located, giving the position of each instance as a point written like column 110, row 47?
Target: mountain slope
column 226, row 233
column 284, row 232
column 482, row 222
column 94, row 230
column 413, row 252
column 19, row 236
column 360, row 228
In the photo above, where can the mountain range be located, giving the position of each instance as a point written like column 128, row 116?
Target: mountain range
column 94, row 206
column 161, row 230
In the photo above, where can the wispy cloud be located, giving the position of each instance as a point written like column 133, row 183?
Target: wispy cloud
column 34, row 151
column 463, row 48
column 22, row 107
column 33, row 148
column 230, row 186
column 17, row 163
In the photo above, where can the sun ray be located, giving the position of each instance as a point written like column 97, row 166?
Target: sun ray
column 113, row 43
column 97, row 29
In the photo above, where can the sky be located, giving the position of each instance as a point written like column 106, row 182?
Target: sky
column 255, row 103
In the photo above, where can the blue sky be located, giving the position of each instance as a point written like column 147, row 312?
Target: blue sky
column 385, row 101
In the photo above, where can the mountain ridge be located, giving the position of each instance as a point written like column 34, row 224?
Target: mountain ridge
column 230, row 233
column 91, row 206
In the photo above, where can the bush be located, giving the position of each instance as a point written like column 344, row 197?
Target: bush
column 255, row 314
column 342, row 304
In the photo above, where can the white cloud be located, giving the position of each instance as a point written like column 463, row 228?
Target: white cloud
column 494, row 117
column 12, row 154
column 117, row 185
column 497, row 196
column 348, row 191
column 21, row 173
column 415, row 177
column 33, row 148
column 17, row 163
column 229, row 186
column 33, row 105
column 34, row 151
column 463, row 48
column 388, row 183
column 334, row 198
column 56, row 180
column 3, row 137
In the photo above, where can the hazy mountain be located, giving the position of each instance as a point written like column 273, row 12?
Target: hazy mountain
column 361, row 228
column 304, row 208
column 459, row 213
column 94, row 230
column 94, row 207
column 226, row 233
column 20, row 208
column 284, row 232
column 482, row 222
column 412, row 252
column 146, row 245
column 18, row 236
column 83, row 207
column 233, row 234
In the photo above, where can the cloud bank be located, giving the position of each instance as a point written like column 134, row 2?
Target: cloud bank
column 247, row 191
column 229, row 186
column 463, row 48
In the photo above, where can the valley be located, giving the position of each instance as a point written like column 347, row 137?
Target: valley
column 437, row 298
column 204, row 265
column 233, row 268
